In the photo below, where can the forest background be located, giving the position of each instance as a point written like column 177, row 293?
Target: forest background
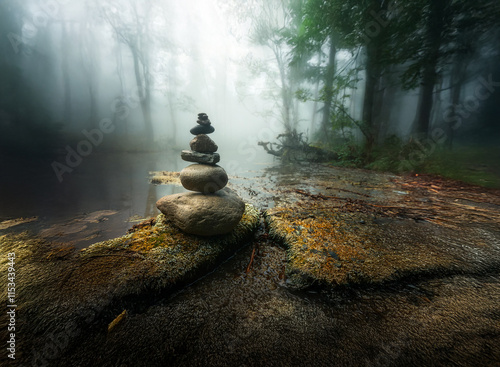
column 401, row 86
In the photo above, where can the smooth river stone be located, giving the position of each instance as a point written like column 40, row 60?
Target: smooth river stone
column 203, row 144
column 202, row 129
column 201, row 214
column 205, row 158
column 203, row 178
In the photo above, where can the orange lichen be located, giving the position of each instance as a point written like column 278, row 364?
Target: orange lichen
column 332, row 245
column 163, row 254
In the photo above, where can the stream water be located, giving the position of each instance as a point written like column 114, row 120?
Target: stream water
column 100, row 199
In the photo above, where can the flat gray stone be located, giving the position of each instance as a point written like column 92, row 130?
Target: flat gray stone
column 206, row 158
column 203, row 214
column 203, row 144
column 202, row 129
column 203, row 178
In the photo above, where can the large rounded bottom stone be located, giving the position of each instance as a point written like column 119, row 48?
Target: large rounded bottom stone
column 203, row 178
column 203, row 214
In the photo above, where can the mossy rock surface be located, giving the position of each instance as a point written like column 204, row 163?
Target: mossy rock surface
column 63, row 293
column 333, row 246
column 164, row 255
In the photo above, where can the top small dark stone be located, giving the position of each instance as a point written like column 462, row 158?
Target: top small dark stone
column 202, row 116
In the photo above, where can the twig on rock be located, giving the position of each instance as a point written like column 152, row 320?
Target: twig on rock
column 251, row 260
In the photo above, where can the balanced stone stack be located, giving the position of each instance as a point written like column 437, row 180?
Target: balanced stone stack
column 212, row 208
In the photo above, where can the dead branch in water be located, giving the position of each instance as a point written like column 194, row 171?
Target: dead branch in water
column 293, row 146
column 277, row 153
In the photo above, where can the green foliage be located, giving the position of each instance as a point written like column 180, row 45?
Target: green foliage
column 303, row 95
column 474, row 165
column 387, row 156
column 415, row 40
column 462, row 25
column 350, row 154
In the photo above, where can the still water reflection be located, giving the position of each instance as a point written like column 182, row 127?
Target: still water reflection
column 103, row 197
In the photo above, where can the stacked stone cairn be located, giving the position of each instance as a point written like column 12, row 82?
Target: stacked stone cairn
column 211, row 209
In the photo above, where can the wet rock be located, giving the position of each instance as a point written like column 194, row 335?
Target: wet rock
column 204, row 122
column 79, row 290
column 342, row 251
column 202, row 129
column 203, row 178
column 202, row 143
column 203, row 119
column 206, row 158
column 202, row 116
column 209, row 211
column 14, row 222
column 204, row 215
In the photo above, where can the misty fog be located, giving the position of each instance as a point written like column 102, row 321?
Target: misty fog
column 88, row 82
column 346, row 213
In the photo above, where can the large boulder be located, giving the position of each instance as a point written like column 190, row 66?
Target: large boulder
column 203, row 178
column 201, row 214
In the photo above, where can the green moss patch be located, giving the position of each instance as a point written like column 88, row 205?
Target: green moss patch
column 160, row 255
column 342, row 245
column 61, row 292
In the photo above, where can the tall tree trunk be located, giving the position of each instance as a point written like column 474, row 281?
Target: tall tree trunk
column 372, row 78
column 429, row 74
column 144, row 95
column 315, row 99
column 120, row 117
column 329, row 78
column 384, row 110
column 457, row 79
column 373, row 74
column 425, row 103
column 285, row 94
column 90, row 66
column 171, row 92
column 67, row 116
